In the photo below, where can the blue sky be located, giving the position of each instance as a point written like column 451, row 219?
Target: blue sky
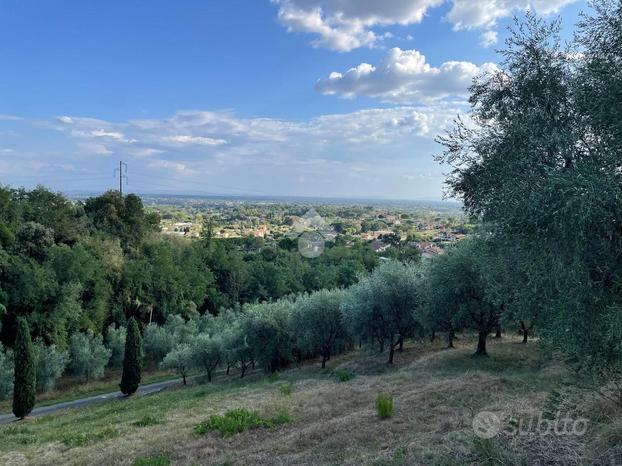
column 284, row 97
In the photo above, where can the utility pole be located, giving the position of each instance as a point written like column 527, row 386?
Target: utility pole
column 122, row 171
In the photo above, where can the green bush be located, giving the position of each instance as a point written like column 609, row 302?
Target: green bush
column 384, row 405
column 239, row 420
column 287, row 388
column 161, row 460
column 343, row 375
column 147, row 421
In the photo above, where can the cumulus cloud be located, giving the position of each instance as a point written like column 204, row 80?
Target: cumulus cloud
column 488, row 39
column 469, row 14
column 404, row 77
column 345, row 25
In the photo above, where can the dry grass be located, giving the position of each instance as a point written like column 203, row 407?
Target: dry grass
column 435, row 392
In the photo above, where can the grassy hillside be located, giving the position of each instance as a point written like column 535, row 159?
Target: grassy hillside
column 436, row 394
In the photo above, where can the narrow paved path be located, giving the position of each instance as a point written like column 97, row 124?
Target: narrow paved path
column 142, row 390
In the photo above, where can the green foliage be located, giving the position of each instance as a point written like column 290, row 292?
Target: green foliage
column 239, row 420
column 161, row 460
column 384, row 405
column 115, row 342
column 50, row 365
column 158, row 342
column 146, row 421
column 317, row 323
column 180, row 360
column 132, row 360
column 380, row 309
column 207, row 353
column 87, row 355
column 343, row 375
column 25, row 374
column 7, row 368
column 286, row 388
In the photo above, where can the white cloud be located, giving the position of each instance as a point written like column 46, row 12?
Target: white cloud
column 404, row 77
column 200, row 140
column 6, row 151
column 469, row 14
column 179, row 168
column 94, row 148
column 488, row 39
column 345, row 25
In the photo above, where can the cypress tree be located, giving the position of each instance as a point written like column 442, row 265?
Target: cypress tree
column 25, row 371
column 133, row 359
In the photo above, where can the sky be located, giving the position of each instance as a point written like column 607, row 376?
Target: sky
column 335, row 98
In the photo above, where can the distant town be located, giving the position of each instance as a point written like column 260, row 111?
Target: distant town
column 426, row 227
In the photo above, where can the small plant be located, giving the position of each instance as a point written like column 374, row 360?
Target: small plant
column 343, row 375
column 239, row 420
column 384, row 405
column 161, row 460
column 274, row 377
column 287, row 388
column 146, row 421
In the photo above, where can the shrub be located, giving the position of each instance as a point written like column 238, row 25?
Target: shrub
column 286, row 389
column 87, row 355
column 7, row 366
column 179, row 360
column 343, row 375
column 384, row 405
column 158, row 342
column 50, row 365
column 115, row 342
column 239, row 420
column 146, row 421
column 25, row 381
column 133, row 359
column 161, row 460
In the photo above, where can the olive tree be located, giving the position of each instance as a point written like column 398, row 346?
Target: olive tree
column 87, row 355
column 6, row 372
column 207, row 353
column 381, row 307
column 180, row 360
column 318, row 324
column 115, row 342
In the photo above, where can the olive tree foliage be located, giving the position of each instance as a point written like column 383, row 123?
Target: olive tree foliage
column 87, row 355
column 50, row 365
column 115, row 342
column 540, row 159
column 207, row 353
column 159, row 340
column 456, row 293
column 6, row 372
column 267, row 331
column 317, row 323
column 381, row 308
column 180, row 360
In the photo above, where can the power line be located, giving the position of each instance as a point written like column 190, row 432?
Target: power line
column 122, row 174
